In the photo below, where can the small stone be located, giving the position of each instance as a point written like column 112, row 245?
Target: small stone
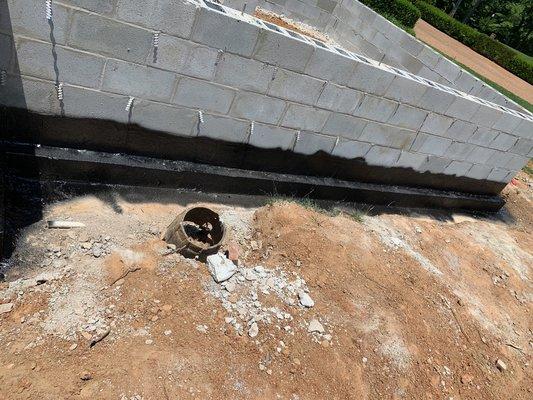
column 466, row 378
column 171, row 246
column 167, row 332
column 220, row 267
column 86, row 376
column 5, row 308
column 269, row 371
column 87, row 335
column 296, row 361
column 230, row 286
column 86, row 245
column 229, row 320
column 201, row 328
column 365, row 360
column 298, row 263
column 73, row 346
column 315, row 326
column 253, row 331
column 262, row 367
column 148, row 341
column 501, row 365
column 418, row 229
column 97, row 251
column 233, row 252
column 305, row 299
column 255, row 245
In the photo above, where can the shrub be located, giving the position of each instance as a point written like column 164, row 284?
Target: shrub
column 401, row 10
column 510, row 59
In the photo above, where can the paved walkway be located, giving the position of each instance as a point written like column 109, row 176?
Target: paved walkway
column 465, row 55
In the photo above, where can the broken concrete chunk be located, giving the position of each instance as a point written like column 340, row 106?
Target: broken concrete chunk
column 315, row 326
column 5, row 308
column 220, row 267
column 254, row 330
column 501, row 365
column 305, row 299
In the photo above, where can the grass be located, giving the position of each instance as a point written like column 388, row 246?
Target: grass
column 528, row 170
column 524, row 103
column 357, row 215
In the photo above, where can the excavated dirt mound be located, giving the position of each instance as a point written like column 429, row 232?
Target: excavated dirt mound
column 409, row 305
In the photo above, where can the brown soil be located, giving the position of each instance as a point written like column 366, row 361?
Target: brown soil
column 465, row 55
column 417, row 307
column 288, row 23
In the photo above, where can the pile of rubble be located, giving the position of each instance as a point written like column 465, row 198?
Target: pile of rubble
column 257, row 295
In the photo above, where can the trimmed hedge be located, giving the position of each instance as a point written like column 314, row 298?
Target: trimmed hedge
column 506, row 57
column 402, row 11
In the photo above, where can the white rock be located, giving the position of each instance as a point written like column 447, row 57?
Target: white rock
column 253, row 331
column 501, row 365
column 315, row 326
column 230, row 286
column 5, row 308
column 167, row 333
column 201, row 328
column 220, row 267
column 305, row 299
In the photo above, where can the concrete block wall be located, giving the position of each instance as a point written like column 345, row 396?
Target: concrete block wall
column 219, row 73
column 360, row 29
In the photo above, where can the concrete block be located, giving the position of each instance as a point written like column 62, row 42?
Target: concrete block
column 376, row 108
column 344, row 125
column 183, row 56
column 516, row 162
column 411, row 44
column 272, row 137
column 458, row 168
column 480, row 155
column 447, row 69
column 114, row 39
column 411, row 160
column 224, row 128
column 325, row 64
column 462, row 108
column 459, row 151
column 244, row 73
column 296, row 87
column 507, row 122
column 461, row 130
column 405, row 90
column 522, row 147
column 498, row 175
column 174, row 17
column 408, row 117
column 27, row 18
column 524, row 129
column 85, row 103
column 436, row 124
column 37, row 59
column 339, row 98
column 386, row 135
column 137, row 80
column 429, row 57
column 223, row 32
column 480, row 172
column 486, row 116
column 311, row 143
column 371, row 79
column 435, row 164
column 305, row 118
column 283, row 51
column 503, row 142
column 327, row 5
column 483, row 136
column 257, row 107
column 106, row 7
column 350, row 149
column 435, row 100
column 26, row 93
column 465, row 82
column 165, row 118
column 382, row 156
column 429, row 144
column 6, row 50
column 499, row 159
column 203, row 95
